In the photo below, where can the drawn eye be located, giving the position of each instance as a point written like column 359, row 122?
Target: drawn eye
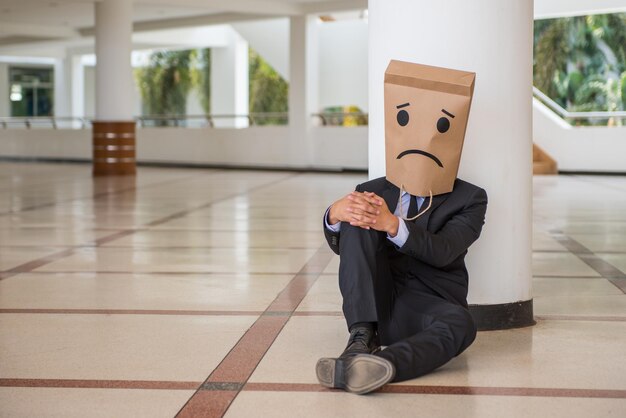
column 443, row 124
column 403, row 118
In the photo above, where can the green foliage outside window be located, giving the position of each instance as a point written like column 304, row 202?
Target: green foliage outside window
column 580, row 62
column 201, row 77
column 166, row 81
column 269, row 92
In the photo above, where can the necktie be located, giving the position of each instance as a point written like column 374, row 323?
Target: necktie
column 412, row 208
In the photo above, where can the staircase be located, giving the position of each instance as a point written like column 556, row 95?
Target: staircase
column 542, row 162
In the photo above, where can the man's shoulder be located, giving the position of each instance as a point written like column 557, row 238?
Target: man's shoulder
column 462, row 187
column 375, row 185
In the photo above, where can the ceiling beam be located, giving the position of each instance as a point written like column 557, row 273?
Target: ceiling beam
column 332, row 6
column 185, row 22
column 259, row 7
column 39, row 31
column 545, row 9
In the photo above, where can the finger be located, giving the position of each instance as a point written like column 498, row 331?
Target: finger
column 362, row 218
column 360, row 225
column 364, row 209
column 355, row 196
column 373, row 198
column 377, row 198
column 365, row 200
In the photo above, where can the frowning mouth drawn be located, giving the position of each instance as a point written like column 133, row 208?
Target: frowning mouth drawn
column 424, row 153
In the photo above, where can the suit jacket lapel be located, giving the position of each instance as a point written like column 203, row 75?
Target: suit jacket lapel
column 437, row 200
column 391, row 195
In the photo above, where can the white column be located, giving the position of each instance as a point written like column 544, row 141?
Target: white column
column 62, row 87
column 5, row 91
column 494, row 39
column 78, row 86
column 303, row 87
column 230, row 81
column 114, row 78
column 113, row 130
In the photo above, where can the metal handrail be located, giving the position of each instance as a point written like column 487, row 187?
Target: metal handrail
column 325, row 116
column 28, row 121
column 565, row 114
column 252, row 118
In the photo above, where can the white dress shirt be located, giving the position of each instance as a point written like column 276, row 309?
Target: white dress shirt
column 403, row 232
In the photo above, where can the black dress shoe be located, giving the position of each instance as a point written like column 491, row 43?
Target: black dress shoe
column 362, row 340
column 360, row 373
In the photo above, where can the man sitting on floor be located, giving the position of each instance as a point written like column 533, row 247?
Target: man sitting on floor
column 402, row 239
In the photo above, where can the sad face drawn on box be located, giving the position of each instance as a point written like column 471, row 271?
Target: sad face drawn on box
column 426, row 114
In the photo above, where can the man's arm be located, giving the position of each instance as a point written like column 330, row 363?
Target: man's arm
column 441, row 248
column 331, row 233
column 357, row 208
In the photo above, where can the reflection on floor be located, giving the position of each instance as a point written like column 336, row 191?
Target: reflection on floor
column 202, row 292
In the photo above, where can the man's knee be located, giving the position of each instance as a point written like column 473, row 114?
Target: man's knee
column 466, row 327
column 462, row 326
column 351, row 229
column 352, row 236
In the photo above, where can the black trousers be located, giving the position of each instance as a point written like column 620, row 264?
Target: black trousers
column 422, row 331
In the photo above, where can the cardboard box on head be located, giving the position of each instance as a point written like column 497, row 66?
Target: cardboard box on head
column 426, row 113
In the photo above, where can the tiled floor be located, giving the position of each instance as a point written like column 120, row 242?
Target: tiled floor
column 211, row 292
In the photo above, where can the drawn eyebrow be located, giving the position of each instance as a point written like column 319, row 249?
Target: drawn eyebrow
column 447, row 113
column 403, row 105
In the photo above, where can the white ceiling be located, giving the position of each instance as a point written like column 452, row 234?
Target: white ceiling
column 34, row 21
column 561, row 8
column 80, row 13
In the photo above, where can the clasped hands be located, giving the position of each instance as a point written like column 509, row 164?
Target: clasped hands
column 365, row 210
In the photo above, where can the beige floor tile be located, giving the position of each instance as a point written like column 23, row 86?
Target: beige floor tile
column 211, row 224
column 261, row 404
column 550, row 354
column 593, row 227
column 602, row 242
column 214, row 260
column 617, row 260
column 13, row 257
column 46, row 219
column 586, row 305
column 141, row 291
column 560, row 264
column 293, row 355
column 48, row 237
column 323, row 296
column 333, row 266
column 574, row 286
column 277, row 208
column 116, row 347
column 544, row 242
column 191, row 238
column 88, row 403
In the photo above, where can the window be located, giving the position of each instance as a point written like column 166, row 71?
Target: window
column 32, row 91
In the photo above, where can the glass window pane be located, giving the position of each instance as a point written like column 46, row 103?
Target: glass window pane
column 31, row 74
column 22, row 104
column 44, row 102
column 31, row 92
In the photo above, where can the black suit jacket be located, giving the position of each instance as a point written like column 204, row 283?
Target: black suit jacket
column 438, row 240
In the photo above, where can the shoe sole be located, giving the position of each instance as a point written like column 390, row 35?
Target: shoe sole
column 360, row 374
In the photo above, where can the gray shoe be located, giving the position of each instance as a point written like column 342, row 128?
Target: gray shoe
column 360, row 374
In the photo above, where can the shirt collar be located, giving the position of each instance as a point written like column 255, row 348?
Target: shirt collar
column 418, row 197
